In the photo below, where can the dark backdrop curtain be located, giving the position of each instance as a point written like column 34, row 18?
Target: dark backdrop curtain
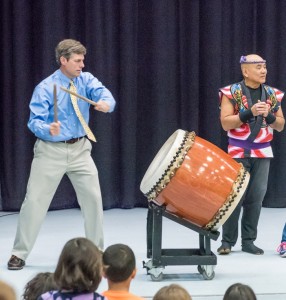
column 163, row 60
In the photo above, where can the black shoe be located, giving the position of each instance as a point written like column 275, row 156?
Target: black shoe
column 251, row 248
column 224, row 249
column 15, row 263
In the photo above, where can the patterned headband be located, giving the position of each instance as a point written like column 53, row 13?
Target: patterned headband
column 243, row 60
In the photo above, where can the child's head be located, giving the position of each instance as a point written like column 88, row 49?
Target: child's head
column 119, row 263
column 239, row 291
column 41, row 283
column 172, row 292
column 6, row 291
column 79, row 268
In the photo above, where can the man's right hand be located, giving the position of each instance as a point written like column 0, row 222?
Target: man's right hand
column 55, row 128
column 260, row 108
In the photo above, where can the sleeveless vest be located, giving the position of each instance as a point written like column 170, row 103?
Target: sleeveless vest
column 251, row 139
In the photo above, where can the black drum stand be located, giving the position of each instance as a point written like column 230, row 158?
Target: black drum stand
column 203, row 257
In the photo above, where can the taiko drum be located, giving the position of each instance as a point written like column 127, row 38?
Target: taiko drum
column 195, row 180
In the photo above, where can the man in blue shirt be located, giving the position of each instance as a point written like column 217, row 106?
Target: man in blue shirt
column 62, row 148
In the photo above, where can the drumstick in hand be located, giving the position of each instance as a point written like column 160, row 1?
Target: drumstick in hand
column 79, row 96
column 55, row 104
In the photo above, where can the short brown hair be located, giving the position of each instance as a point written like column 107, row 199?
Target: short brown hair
column 67, row 47
column 172, row 292
column 118, row 262
column 79, row 267
column 239, row 291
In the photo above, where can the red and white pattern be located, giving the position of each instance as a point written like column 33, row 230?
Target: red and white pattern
column 236, row 152
column 242, row 133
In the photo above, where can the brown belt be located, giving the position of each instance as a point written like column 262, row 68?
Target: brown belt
column 72, row 141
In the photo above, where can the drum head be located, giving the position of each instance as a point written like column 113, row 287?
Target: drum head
column 161, row 161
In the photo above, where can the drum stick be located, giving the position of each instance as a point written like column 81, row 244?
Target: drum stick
column 79, row 96
column 55, row 104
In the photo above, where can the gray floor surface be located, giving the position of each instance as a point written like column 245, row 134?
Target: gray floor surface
column 265, row 273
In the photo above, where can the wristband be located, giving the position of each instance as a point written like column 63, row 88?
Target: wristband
column 245, row 115
column 270, row 119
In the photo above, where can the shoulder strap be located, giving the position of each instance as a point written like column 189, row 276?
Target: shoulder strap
column 236, row 92
column 272, row 95
column 255, row 126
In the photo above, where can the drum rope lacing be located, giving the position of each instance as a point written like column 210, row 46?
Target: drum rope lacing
column 236, row 187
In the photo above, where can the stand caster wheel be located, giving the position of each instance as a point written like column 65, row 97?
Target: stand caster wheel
column 207, row 271
column 156, row 273
column 148, row 266
column 158, row 277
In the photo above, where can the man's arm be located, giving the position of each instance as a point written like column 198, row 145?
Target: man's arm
column 227, row 118
column 279, row 122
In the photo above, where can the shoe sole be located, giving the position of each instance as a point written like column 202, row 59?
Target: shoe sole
column 253, row 252
column 15, row 268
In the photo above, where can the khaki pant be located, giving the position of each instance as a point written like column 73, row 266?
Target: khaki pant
column 51, row 161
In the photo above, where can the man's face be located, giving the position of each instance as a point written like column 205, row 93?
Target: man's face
column 72, row 67
column 256, row 73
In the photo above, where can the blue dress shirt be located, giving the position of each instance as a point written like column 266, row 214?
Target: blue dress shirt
column 42, row 105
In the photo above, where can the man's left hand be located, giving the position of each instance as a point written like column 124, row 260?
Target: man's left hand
column 102, row 106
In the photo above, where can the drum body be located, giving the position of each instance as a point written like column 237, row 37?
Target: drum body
column 195, row 180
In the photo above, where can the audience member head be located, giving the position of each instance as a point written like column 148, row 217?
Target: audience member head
column 119, row 263
column 172, row 292
column 79, row 268
column 40, row 284
column 239, row 291
column 7, row 292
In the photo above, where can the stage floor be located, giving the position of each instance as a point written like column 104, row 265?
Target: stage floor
column 265, row 273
